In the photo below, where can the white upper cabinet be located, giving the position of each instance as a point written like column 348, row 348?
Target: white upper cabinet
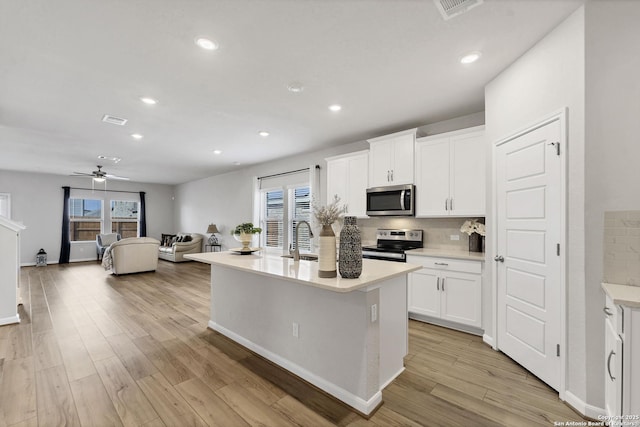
column 450, row 174
column 347, row 177
column 391, row 159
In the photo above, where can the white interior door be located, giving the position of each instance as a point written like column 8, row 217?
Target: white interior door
column 529, row 224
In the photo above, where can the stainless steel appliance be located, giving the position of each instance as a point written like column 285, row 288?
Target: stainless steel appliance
column 396, row 200
column 391, row 244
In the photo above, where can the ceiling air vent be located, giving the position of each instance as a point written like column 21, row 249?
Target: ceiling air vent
column 450, row 8
column 114, row 120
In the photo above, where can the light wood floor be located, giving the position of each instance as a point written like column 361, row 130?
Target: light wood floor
column 99, row 350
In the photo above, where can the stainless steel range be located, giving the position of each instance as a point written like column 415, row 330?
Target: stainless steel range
column 391, row 244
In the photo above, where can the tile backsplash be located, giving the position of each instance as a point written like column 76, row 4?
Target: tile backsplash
column 622, row 247
column 437, row 231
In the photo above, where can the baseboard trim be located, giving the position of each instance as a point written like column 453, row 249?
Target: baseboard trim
column 366, row 407
column 10, row 320
column 446, row 324
column 583, row 407
column 489, row 341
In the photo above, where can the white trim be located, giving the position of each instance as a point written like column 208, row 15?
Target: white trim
column 364, row 406
column 489, row 341
column 584, row 408
column 393, row 135
column 10, row 320
column 561, row 116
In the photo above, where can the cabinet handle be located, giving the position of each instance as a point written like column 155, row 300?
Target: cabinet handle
column 446, row 204
column 391, row 175
column 440, row 263
column 609, row 365
column 437, row 283
column 388, row 175
column 443, row 284
column 607, row 311
column 451, row 204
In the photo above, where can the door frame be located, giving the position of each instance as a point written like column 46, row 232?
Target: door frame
column 561, row 117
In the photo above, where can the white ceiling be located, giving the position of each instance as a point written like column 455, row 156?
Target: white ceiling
column 391, row 64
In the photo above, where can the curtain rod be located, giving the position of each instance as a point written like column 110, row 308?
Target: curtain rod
column 286, row 173
column 110, row 191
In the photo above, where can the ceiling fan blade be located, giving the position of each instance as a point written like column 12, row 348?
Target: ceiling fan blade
column 81, row 174
column 120, row 178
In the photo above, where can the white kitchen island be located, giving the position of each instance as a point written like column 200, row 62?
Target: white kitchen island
column 347, row 337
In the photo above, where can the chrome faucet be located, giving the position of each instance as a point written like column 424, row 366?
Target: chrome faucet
column 296, row 251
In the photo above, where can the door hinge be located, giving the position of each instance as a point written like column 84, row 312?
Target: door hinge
column 558, row 350
column 557, row 145
column 558, row 249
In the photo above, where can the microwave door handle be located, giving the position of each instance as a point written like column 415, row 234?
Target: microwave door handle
column 402, row 199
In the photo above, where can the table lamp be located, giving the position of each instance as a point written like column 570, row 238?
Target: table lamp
column 213, row 229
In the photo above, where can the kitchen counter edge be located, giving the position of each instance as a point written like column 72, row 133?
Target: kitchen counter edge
column 627, row 295
column 447, row 253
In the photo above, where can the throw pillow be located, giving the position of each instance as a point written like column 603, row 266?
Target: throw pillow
column 187, row 238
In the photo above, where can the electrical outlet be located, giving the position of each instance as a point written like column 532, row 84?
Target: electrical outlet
column 374, row 312
column 455, row 237
column 296, row 330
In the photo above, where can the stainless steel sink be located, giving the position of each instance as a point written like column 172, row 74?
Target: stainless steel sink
column 304, row 257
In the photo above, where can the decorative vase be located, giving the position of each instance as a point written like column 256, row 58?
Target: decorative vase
column 350, row 259
column 245, row 239
column 475, row 242
column 327, row 253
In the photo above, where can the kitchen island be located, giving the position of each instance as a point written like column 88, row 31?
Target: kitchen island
column 347, row 337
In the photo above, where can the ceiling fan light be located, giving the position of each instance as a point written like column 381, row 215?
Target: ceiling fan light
column 99, row 179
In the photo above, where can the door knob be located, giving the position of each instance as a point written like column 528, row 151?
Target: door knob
column 498, row 258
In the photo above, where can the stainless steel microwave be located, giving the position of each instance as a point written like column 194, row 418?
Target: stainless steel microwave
column 396, row 200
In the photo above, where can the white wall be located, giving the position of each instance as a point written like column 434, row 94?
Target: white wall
column 612, row 129
column 547, row 78
column 36, row 201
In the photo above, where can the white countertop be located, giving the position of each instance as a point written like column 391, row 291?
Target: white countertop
column 305, row 272
column 626, row 295
column 447, row 253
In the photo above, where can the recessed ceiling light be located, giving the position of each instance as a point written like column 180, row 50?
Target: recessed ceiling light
column 295, row 87
column 149, row 101
column 206, row 43
column 335, row 107
column 113, row 159
column 470, row 58
column 217, row 152
column 263, row 133
column 137, row 136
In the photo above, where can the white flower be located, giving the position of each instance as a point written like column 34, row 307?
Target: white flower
column 471, row 226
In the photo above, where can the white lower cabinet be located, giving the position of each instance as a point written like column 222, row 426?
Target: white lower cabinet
column 446, row 289
column 622, row 364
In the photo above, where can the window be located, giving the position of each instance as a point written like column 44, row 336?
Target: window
column 124, row 218
column 85, row 217
column 274, row 218
column 280, row 207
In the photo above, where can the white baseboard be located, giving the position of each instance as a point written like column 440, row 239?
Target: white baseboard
column 583, row 407
column 10, row 320
column 364, row 406
column 489, row 340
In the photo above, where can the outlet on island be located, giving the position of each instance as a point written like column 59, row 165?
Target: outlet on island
column 295, row 330
column 455, row 237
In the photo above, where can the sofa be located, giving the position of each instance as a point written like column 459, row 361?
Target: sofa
column 132, row 255
column 174, row 247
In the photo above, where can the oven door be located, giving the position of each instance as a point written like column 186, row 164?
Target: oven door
column 384, row 256
column 397, row 200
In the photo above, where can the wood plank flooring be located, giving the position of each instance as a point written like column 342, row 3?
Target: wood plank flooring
column 99, row 350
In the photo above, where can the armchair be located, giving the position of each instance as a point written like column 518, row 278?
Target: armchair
column 103, row 241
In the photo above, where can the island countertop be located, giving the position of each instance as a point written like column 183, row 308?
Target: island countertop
column 305, row 272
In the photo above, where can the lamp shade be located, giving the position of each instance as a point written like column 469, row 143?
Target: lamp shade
column 212, row 229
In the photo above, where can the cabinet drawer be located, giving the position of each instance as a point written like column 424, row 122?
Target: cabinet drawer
column 446, row 264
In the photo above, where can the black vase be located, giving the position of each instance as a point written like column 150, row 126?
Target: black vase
column 350, row 257
column 475, row 242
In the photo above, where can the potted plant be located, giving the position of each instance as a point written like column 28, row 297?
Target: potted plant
column 327, row 215
column 476, row 232
column 243, row 233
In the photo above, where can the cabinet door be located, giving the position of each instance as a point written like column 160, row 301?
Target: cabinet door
column 357, row 185
column 468, row 178
column 337, row 176
column 612, row 371
column 403, row 163
column 424, row 293
column 380, row 155
column 462, row 298
column 432, row 177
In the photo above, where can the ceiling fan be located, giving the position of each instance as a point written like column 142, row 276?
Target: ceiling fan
column 100, row 175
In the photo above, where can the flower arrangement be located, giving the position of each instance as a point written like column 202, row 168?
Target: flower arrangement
column 471, row 226
column 327, row 215
column 246, row 228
